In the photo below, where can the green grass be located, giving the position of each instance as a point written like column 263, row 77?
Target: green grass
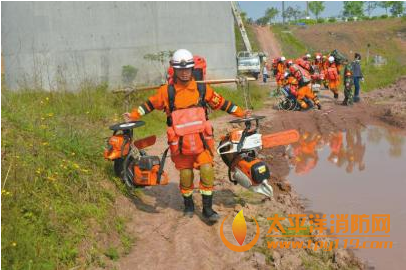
column 291, row 46
column 239, row 43
column 55, row 202
column 58, row 192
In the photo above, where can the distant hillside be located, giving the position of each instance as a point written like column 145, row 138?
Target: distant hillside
column 387, row 38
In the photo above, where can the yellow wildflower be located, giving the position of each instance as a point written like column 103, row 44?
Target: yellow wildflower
column 47, row 98
column 50, row 114
column 5, row 192
column 14, row 244
column 45, row 143
column 76, row 165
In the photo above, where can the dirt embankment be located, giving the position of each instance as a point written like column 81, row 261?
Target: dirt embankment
column 267, row 41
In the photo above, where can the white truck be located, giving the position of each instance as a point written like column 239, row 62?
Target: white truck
column 248, row 63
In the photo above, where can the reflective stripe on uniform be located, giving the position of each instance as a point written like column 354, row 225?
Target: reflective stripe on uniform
column 189, row 124
column 141, row 110
column 206, row 192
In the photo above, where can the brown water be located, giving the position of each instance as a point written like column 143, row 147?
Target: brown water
column 354, row 172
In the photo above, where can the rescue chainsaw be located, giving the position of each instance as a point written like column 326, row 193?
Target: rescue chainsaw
column 239, row 150
column 131, row 163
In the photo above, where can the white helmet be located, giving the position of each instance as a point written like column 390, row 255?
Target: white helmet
column 318, row 57
column 331, row 59
column 308, row 55
column 283, row 58
column 182, row 59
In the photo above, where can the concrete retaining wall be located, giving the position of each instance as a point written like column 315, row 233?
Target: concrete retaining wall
column 59, row 45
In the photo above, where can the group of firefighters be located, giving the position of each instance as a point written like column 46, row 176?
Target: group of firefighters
column 300, row 74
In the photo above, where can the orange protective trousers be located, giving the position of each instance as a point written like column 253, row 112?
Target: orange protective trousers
column 306, row 91
column 186, row 163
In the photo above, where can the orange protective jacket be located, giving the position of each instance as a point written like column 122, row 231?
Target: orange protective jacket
column 185, row 96
column 280, row 71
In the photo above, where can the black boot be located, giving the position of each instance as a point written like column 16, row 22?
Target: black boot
column 208, row 211
column 318, row 106
column 335, row 95
column 189, row 206
column 345, row 102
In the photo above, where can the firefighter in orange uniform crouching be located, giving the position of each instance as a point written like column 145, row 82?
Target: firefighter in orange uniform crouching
column 190, row 134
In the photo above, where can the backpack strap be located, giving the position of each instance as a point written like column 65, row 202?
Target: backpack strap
column 171, row 97
column 171, row 101
column 201, row 87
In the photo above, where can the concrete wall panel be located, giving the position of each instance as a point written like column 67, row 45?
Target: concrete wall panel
column 62, row 44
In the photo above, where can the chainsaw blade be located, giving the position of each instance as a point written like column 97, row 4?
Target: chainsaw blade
column 280, row 138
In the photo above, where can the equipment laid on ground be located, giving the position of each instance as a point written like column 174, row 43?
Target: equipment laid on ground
column 288, row 102
column 132, row 164
column 239, row 151
column 339, row 58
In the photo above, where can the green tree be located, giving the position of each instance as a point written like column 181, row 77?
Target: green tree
column 297, row 13
column 397, row 8
column 262, row 21
column 316, row 7
column 353, row 8
column 370, row 6
column 385, row 5
column 289, row 12
column 271, row 13
column 243, row 15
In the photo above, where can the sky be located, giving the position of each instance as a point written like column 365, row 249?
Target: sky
column 256, row 9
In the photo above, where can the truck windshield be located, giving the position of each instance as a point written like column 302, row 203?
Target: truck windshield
column 248, row 62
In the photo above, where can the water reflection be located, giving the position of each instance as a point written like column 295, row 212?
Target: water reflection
column 347, row 148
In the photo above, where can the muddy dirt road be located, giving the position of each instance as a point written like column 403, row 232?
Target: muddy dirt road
column 267, row 41
column 166, row 239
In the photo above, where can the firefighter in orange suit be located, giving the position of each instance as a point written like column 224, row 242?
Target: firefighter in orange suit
column 190, row 134
column 299, row 81
column 333, row 77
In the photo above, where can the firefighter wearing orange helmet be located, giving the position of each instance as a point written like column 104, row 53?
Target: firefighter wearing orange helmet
column 190, row 134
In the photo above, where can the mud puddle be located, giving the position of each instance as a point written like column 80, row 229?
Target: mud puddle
column 361, row 171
